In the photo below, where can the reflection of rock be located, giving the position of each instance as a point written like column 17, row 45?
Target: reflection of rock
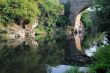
column 32, row 43
column 16, row 42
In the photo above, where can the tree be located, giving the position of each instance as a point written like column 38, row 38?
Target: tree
column 50, row 11
column 102, row 9
column 18, row 11
column 86, row 19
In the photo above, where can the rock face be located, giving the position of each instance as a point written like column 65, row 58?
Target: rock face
column 15, row 31
column 12, row 34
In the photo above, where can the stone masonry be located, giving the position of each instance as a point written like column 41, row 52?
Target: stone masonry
column 76, row 7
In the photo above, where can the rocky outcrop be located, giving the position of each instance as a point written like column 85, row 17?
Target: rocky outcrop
column 15, row 31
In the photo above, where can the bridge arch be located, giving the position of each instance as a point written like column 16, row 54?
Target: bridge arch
column 79, row 27
column 76, row 9
column 78, row 14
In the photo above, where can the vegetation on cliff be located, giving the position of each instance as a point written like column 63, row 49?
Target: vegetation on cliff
column 24, row 12
column 50, row 14
column 18, row 11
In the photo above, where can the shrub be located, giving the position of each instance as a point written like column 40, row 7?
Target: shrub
column 86, row 19
column 103, row 54
column 50, row 11
column 73, row 70
column 102, row 63
column 18, row 11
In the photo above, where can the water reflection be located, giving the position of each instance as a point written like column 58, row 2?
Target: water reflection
column 37, row 56
column 13, row 43
column 78, row 41
column 75, row 55
column 27, row 56
column 93, row 48
column 59, row 69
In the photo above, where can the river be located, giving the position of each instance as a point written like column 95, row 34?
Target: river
column 44, row 55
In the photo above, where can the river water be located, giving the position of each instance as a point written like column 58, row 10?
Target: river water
column 42, row 55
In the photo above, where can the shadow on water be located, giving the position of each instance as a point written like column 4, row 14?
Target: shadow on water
column 29, row 56
column 74, row 54
column 39, row 56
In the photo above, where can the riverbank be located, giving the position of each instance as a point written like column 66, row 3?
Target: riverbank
column 15, row 31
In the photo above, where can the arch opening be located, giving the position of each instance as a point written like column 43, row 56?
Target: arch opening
column 79, row 27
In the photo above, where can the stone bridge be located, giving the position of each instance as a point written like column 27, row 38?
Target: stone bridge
column 77, row 28
column 77, row 7
column 75, row 10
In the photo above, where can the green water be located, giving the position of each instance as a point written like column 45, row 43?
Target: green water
column 35, row 55
column 30, row 55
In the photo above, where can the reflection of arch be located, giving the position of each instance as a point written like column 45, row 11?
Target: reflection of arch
column 74, row 55
column 78, row 26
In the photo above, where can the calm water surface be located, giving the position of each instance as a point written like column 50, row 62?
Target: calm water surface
column 47, row 55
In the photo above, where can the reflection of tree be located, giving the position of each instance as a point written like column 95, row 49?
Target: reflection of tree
column 19, row 60
column 24, row 58
column 52, row 51
column 16, row 42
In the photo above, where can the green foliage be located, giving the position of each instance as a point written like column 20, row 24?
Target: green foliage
column 103, row 55
column 98, row 68
column 90, row 39
column 50, row 11
column 86, row 19
column 18, row 11
column 102, row 63
column 53, row 7
column 40, row 31
column 102, row 9
column 73, row 70
column 62, row 21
